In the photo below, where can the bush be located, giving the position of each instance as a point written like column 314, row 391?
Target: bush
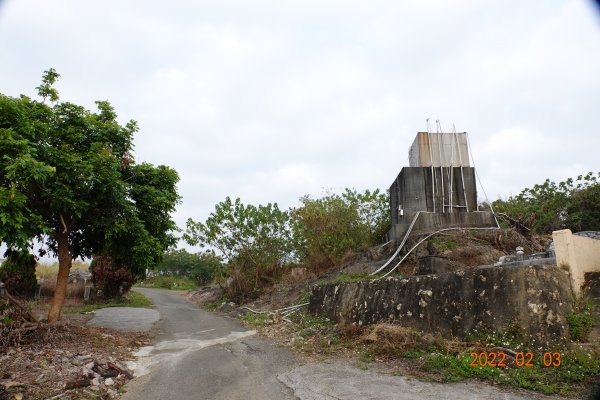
column 550, row 206
column 327, row 228
column 112, row 279
column 18, row 273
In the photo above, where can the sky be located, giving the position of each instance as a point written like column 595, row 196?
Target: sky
column 272, row 100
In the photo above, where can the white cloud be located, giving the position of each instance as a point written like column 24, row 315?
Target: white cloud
column 272, row 100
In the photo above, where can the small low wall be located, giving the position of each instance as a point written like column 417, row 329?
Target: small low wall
column 578, row 255
column 537, row 298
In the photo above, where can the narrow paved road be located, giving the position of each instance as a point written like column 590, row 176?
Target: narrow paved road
column 200, row 355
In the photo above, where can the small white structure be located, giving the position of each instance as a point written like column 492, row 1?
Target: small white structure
column 576, row 254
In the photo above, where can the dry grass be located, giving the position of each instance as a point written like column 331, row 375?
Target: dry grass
column 45, row 270
column 389, row 340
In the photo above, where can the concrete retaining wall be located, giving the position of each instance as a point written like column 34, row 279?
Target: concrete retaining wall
column 537, row 298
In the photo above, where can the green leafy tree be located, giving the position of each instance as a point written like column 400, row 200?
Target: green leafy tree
column 68, row 179
column 550, row 206
column 583, row 207
column 201, row 267
column 253, row 240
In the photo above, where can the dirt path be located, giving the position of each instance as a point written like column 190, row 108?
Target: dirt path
column 201, row 355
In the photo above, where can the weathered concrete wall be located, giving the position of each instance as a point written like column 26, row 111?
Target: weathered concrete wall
column 430, row 222
column 576, row 254
column 439, row 149
column 537, row 298
column 413, row 190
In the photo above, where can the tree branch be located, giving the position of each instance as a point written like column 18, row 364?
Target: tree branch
column 65, row 229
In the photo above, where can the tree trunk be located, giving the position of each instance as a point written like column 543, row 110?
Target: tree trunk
column 64, row 266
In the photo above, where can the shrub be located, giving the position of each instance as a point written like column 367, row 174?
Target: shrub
column 327, row 228
column 112, row 279
column 18, row 273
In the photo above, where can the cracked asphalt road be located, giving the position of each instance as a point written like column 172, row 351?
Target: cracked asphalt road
column 201, row 355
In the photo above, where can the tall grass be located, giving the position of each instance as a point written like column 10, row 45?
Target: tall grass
column 46, row 273
column 44, row 270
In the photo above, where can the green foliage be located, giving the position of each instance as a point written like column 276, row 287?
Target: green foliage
column 573, row 204
column 513, row 337
column 200, row 267
column 254, row 241
column 46, row 90
column 17, row 272
column 581, row 321
column 444, row 243
column 256, row 320
column 130, row 299
column 354, row 278
column 577, row 371
column 169, row 282
column 327, row 228
column 455, row 368
column 67, row 177
column 365, row 357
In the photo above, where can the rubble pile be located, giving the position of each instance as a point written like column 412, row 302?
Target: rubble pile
column 68, row 362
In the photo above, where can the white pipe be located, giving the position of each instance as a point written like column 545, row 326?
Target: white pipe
column 388, row 262
column 462, row 175
column 435, row 233
column 452, row 143
column 439, row 129
column 431, row 161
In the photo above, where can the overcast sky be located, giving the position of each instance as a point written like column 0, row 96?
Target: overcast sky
column 272, row 100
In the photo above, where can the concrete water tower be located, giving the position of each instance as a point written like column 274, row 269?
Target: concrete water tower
column 439, row 186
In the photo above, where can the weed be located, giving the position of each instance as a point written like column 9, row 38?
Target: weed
column 365, row 357
column 444, row 243
column 576, row 372
column 211, row 306
column 364, row 367
column 514, row 337
column 581, row 321
column 130, row 299
column 168, row 282
column 254, row 319
column 413, row 354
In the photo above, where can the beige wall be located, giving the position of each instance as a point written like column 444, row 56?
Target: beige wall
column 576, row 254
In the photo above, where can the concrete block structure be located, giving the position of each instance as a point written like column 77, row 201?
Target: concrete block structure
column 439, row 185
column 577, row 254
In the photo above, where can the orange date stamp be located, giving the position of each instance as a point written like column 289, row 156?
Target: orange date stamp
column 521, row 359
